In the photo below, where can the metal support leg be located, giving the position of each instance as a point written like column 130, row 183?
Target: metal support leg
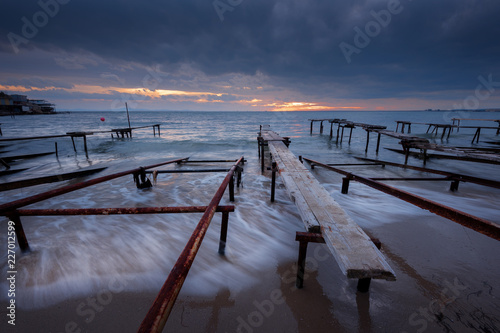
column 223, row 233
column 273, row 181
column 73, row 141
column 299, row 283
column 345, row 185
column 454, row 185
column 231, row 189
column 85, row 146
column 262, row 156
column 21, row 236
column 378, row 143
column 367, row 140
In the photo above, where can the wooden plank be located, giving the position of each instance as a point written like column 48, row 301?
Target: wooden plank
column 353, row 250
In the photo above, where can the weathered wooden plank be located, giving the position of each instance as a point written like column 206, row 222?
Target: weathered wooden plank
column 353, row 250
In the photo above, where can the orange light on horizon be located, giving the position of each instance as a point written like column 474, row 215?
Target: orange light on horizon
column 306, row 106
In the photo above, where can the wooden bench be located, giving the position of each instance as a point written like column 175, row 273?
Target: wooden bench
column 355, row 253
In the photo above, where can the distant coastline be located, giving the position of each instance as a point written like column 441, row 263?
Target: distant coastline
column 13, row 105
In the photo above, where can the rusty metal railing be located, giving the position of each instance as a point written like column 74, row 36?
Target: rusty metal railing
column 160, row 310
column 10, row 209
column 478, row 224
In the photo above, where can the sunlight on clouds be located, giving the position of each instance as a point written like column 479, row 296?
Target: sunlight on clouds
column 305, row 106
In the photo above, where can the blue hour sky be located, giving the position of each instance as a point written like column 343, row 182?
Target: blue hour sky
column 253, row 54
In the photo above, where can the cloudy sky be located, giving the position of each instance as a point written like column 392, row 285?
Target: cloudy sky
column 253, row 54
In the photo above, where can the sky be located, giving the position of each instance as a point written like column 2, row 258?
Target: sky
column 253, row 55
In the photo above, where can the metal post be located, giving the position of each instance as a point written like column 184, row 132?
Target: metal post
column 345, row 185
column 262, row 156
column 73, row 140
column 85, row 145
column 378, row 143
column 160, row 310
column 367, row 140
column 223, row 233
column 128, row 118
column 299, row 283
column 231, row 189
column 273, row 181
column 57, row 153
column 21, row 236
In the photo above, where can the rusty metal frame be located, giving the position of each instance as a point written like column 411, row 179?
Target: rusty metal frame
column 160, row 310
column 478, row 224
column 10, row 209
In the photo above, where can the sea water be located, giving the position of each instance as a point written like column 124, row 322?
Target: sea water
column 78, row 255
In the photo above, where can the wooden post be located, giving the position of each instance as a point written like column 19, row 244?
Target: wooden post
column 223, row 233
column 57, row 153
column 321, row 127
column 350, row 135
column 409, row 128
column 331, row 130
column 397, row 126
column 73, row 140
column 342, row 136
column 338, row 129
column 312, row 121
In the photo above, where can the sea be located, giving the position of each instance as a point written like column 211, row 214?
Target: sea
column 73, row 256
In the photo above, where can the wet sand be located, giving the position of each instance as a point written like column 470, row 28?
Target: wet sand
column 447, row 281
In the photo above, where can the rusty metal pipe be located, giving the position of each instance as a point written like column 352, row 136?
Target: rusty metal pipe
column 121, row 210
column 478, row 224
column 10, row 206
column 160, row 310
column 453, row 176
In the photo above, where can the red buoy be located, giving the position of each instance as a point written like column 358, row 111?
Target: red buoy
column 103, row 119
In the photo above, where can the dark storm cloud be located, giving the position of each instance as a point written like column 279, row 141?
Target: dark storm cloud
column 426, row 46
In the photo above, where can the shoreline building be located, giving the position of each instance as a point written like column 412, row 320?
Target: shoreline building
column 20, row 104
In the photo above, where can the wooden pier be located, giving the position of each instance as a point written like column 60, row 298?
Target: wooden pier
column 323, row 218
